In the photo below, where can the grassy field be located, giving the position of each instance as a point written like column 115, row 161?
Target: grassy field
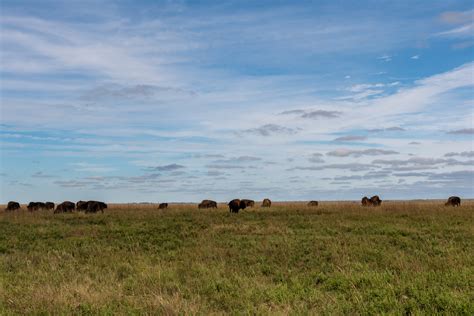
column 338, row 258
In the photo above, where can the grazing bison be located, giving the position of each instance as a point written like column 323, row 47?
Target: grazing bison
column 375, row 201
column 266, row 203
column 12, row 206
column 163, row 206
column 49, row 205
column 313, row 203
column 248, row 203
column 65, row 207
column 207, row 204
column 91, row 206
column 81, row 206
column 95, row 206
column 453, row 201
column 235, row 205
column 365, row 201
column 35, row 206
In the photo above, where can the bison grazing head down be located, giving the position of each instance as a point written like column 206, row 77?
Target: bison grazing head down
column 207, row 204
column 248, row 203
column 313, row 203
column 49, row 205
column 12, row 206
column 65, row 207
column 235, row 205
column 81, row 205
column 375, row 201
column 163, row 206
column 453, row 201
column 266, row 203
column 365, row 201
column 35, row 206
column 95, row 206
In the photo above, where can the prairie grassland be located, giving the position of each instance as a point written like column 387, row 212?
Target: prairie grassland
column 338, row 258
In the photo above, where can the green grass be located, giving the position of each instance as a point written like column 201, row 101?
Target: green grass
column 338, row 258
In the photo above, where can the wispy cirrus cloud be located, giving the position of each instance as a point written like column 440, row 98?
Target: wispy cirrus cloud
column 270, row 129
column 358, row 153
column 460, row 154
column 463, row 131
column 170, row 167
column 350, row 138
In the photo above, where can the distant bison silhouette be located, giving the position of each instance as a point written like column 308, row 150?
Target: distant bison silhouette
column 91, row 206
column 65, row 207
column 266, row 203
column 207, row 204
column 35, row 206
column 365, row 201
column 49, row 205
column 12, row 206
column 163, row 205
column 81, row 206
column 313, row 203
column 373, row 201
column 95, row 206
column 248, row 203
column 235, row 205
column 453, row 201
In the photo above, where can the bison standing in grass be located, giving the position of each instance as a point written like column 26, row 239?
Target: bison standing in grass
column 266, row 203
column 49, row 205
column 12, row 206
column 35, row 206
column 162, row 206
column 81, row 205
column 248, row 203
column 235, row 205
column 365, row 201
column 313, row 203
column 95, row 206
column 453, row 201
column 207, row 204
column 375, row 200
column 65, row 207
column 91, row 206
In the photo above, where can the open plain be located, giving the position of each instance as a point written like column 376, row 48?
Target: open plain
column 338, row 258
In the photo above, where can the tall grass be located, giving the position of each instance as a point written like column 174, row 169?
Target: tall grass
column 338, row 258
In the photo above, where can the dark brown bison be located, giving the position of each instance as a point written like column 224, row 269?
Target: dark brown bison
column 65, row 207
column 365, row 201
column 95, row 206
column 49, row 205
column 248, row 203
column 375, row 201
column 163, row 206
column 313, row 203
column 35, row 206
column 453, row 201
column 235, row 205
column 266, row 203
column 81, row 206
column 207, row 204
column 12, row 206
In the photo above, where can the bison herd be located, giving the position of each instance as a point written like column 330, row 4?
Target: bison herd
column 373, row 201
column 234, row 206
column 64, row 207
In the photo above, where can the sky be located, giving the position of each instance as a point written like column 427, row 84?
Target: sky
column 154, row 101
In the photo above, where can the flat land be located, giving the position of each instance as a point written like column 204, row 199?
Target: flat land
column 338, row 258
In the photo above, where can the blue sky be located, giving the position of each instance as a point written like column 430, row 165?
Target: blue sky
column 130, row 101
